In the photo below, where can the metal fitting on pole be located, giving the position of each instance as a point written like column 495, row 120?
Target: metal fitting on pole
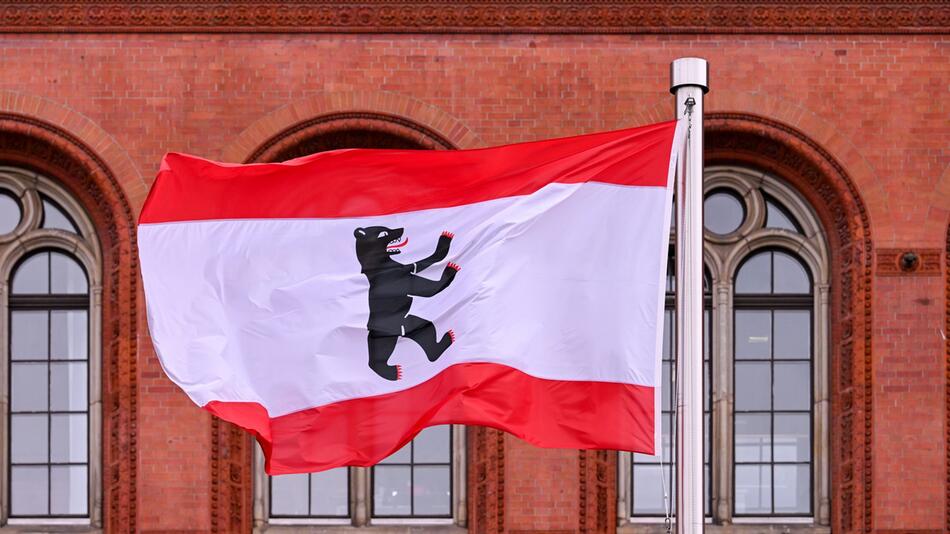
column 689, row 81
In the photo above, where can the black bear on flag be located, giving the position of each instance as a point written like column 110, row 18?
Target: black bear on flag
column 391, row 288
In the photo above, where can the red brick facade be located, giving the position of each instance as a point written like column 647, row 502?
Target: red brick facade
column 856, row 121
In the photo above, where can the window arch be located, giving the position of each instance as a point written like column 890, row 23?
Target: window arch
column 766, row 313
column 50, row 354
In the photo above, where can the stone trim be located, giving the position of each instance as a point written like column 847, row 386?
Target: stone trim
column 511, row 16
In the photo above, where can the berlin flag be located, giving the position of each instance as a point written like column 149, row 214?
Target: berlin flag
column 337, row 304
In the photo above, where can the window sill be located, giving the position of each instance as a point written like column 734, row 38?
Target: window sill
column 741, row 528
column 374, row 529
column 49, row 528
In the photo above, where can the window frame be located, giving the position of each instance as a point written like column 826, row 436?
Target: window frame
column 361, row 496
column 723, row 255
column 25, row 240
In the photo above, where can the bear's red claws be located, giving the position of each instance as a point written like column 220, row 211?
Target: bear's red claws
column 448, row 234
column 455, row 266
column 451, row 335
column 398, row 372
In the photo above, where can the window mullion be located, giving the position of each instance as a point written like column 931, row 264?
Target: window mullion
column 722, row 384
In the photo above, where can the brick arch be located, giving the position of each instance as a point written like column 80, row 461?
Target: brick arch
column 425, row 120
column 792, row 114
column 820, row 178
column 64, row 151
column 86, row 132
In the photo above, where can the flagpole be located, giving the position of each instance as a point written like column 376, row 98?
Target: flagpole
column 689, row 81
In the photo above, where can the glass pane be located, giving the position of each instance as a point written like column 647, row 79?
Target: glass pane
column 329, row 493
column 67, row 276
column 792, row 489
column 753, row 381
column 32, row 276
column 29, row 387
column 402, row 456
column 667, row 335
column 670, row 274
column 666, row 437
column 69, row 333
column 29, row 335
column 432, row 445
column 666, row 392
column 793, row 334
column 648, row 490
column 288, row 495
column 432, row 491
column 790, row 275
column 28, row 487
column 723, row 213
column 753, row 437
column 792, row 386
column 755, row 274
column 775, row 217
column 55, row 218
column 28, row 438
column 792, row 437
column 753, row 489
column 9, row 213
column 68, row 438
column 68, row 489
column 753, row 334
column 391, row 490
column 68, row 385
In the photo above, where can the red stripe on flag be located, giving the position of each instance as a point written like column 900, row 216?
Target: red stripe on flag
column 359, row 183
column 547, row 413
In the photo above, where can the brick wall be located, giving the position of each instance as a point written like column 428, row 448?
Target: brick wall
column 877, row 104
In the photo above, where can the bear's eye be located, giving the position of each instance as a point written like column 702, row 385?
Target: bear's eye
column 382, row 234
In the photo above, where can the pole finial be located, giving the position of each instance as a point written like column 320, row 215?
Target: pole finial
column 689, row 71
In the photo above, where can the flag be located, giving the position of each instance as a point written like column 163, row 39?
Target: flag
column 335, row 305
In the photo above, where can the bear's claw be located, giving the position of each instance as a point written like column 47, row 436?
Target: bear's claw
column 451, row 335
column 455, row 266
column 448, row 234
column 398, row 372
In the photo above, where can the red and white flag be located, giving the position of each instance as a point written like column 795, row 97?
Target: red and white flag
column 337, row 304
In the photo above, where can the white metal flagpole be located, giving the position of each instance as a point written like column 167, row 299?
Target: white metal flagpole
column 689, row 81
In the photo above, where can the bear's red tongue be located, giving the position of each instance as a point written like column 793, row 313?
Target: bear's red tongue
column 398, row 245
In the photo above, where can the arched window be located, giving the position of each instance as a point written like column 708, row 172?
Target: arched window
column 765, row 323
column 421, row 483
column 50, row 353
column 772, row 417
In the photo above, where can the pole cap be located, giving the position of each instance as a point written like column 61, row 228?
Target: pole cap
column 689, row 71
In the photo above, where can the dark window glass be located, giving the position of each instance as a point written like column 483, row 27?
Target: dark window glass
column 416, row 481
column 772, row 421
column 54, row 217
column 723, row 212
column 321, row 495
column 10, row 212
column 49, row 388
column 777, row 216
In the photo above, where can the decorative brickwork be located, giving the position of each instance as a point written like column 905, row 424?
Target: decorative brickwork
column 602, row 16
column 908, row 262
column 597, row 510
column 486, row 480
